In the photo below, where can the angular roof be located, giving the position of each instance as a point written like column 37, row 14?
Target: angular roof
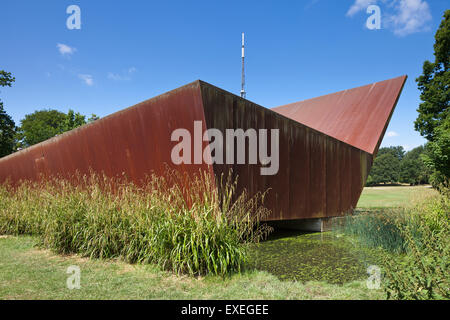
column 356, row 116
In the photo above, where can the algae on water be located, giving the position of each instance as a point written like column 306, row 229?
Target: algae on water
column 311, row 257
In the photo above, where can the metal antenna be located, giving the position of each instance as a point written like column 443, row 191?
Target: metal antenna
column 243, row 93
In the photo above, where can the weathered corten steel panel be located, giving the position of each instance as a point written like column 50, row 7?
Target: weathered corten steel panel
column 319, row 176
column 333, row 185
column 135, row 142
column 357, row 116
column 300, row 175
column 322, row 168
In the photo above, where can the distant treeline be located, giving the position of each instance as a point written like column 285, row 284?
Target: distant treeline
column 393, row 165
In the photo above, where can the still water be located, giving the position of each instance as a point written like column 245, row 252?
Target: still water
column 330, row 257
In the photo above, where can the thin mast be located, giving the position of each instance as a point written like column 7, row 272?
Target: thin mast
column 243, row 93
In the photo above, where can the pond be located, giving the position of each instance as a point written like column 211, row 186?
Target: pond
column 329, row 257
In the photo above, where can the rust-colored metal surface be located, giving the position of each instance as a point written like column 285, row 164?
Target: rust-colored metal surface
column 319, row 176
column 322, row 167
column 135, row 142
column 356, row 116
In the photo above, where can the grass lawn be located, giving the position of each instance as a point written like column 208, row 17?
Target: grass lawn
column 30, row 273
column 391, row 196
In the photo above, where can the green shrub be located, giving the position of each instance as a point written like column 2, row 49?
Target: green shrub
column 415, row 245
column 182, row 224
column 423, row 272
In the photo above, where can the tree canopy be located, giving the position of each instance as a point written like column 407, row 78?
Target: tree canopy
column 385, row 169
column 41, row 125
column 437, row 156
column 7, row 133
column 412, row 167
column 47, row 123
column 398, row 152
column 434, row 84
column 7, row 125
column 433, row 121
column 392, row 165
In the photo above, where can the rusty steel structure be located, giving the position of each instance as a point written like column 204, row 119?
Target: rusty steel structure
column 326, row 145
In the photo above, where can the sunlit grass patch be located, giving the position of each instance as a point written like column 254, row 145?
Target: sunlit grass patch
column 392, row 196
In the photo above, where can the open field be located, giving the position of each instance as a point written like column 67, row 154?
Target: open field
column 392, row 196
column 30, row 273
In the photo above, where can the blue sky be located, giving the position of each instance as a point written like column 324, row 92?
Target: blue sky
column 129, row 51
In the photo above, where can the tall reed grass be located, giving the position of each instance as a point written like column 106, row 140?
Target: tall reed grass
column 179, row 223
column 376, row 229
column 416, row 246
column 385, row 228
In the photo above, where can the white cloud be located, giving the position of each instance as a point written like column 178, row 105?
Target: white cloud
column 87, row 78
column 391, row 134
column 411, row 16
column 403, row 17
column 114, row 76
column 359, row 5
column 64, row 49
column 124, row 76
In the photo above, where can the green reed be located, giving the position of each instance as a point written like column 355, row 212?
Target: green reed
column 416, row 246
column 180, row 223
column 376, row 229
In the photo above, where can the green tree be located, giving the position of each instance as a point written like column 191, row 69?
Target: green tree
column 437, row 155
column 434, row 84
column 93, row 118
column 7, row 133
column 6, row 79
column 413, row 169
column 45, row 124
column 74, row 120
column 41, row 125
column 397, row 151
column 433, row 121
column 386, row 166
column 7, row 125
